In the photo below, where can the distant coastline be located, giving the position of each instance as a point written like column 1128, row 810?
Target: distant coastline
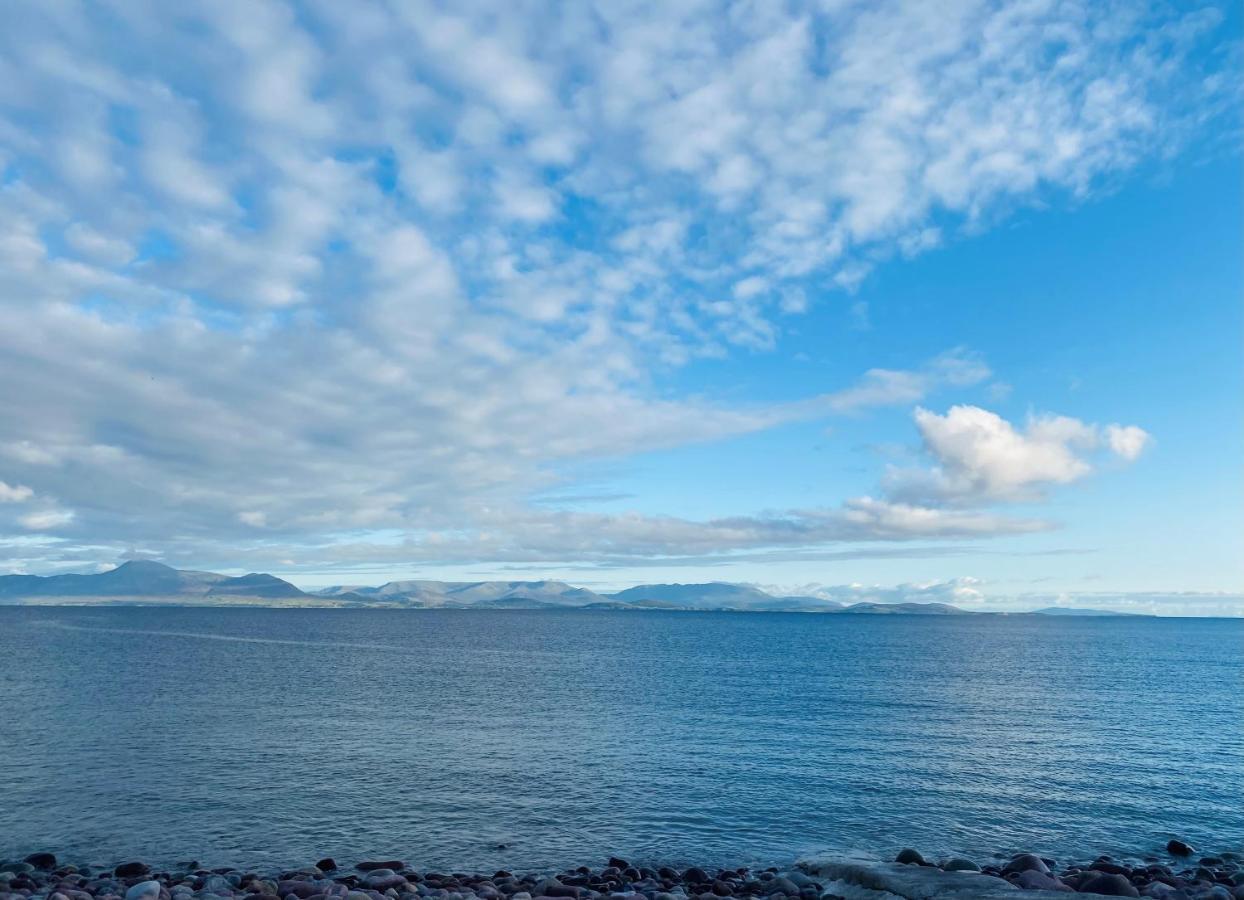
column 146, row 583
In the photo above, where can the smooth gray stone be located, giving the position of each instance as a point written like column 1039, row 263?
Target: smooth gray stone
column 959, row 864
column 144, row 890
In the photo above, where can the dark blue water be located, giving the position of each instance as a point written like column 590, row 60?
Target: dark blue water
column 272, row 737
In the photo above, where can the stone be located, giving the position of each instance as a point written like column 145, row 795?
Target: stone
column 1026, row 862
column 144, row 890
column 1032, row 880
column 45, row 861
column 695, row 876
column 131, row 870
column 1108, row 883
column 909, row 881
column 618, row 863
column 959, row 864
column 910, row 857
column 1176, row 847
column 327, row 864
column 781, row 885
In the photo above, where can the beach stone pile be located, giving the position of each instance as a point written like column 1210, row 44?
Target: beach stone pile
column 41, row 877
column 1183, row 876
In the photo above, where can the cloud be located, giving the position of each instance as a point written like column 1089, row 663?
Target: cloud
column 982, row 458
column 888, row 387
column 975, row 594
column 964, row 592
column 1127, row 441
column 391, row 271
column 46, row 519
column 16, row 493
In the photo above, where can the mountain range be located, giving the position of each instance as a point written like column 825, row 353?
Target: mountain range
column 143, row 582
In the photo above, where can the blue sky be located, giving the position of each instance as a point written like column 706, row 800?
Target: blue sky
column 865, row 300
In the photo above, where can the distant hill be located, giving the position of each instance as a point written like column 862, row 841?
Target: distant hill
column 463, row 594
column 143, row 581
column 718, row 595
column 1073, row 611
column 140, row 582
column 919, row 609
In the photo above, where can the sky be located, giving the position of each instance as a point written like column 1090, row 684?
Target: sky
column 884, row 300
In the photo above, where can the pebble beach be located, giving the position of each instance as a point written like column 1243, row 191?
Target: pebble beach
column 1179, row 873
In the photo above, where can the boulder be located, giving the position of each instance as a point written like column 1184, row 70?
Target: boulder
column 45, row 861
column 1032, row 880
column 144, row 890
column 909, row 856
column 1108, row 883
column 131, row 870
column 372, row 865
column 327, row 864
column 1176, row 847
column 959, row 864
column 1026, row 862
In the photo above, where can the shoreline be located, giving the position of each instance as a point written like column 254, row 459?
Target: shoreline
column 1181, row 873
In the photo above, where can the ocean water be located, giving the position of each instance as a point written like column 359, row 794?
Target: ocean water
column 468, row 740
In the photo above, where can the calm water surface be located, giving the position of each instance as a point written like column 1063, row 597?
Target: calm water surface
column 274, row 737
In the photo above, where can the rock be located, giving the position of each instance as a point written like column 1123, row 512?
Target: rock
column 327, row 864
column 909, row 881
column 131, row 870
column 1176, row 847
column 144, row 890
column 782, row 885
column 372, row 865
column 1026, row 862
column 1108, row 883
column 1032, row 880
column 909, row 857
column 617, row 863
column 959, row 864
column 695, row 876
column 45, row 861
column 383, row 879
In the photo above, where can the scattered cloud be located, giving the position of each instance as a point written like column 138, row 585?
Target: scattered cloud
column 371, row 277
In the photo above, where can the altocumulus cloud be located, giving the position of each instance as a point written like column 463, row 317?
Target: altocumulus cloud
column 297, row 276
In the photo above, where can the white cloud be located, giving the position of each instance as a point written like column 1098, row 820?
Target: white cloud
column 15, row 493
column 889, row 387
column 1128, row 441
column 46, row 519
column 983, row 458
column 396, row 269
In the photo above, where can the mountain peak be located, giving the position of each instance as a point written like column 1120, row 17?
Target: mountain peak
column 140, row 566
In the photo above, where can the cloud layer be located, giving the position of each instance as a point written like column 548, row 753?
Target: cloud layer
column 365, row 277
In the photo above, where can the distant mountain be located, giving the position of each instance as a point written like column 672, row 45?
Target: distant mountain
column 137, row 578
column 718, row 595
column 1074, row 611
column 143, row 581
column 889, row 609
column 255, row 585
column 468, row 594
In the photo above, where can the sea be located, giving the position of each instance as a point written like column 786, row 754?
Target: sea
column 471, row 740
